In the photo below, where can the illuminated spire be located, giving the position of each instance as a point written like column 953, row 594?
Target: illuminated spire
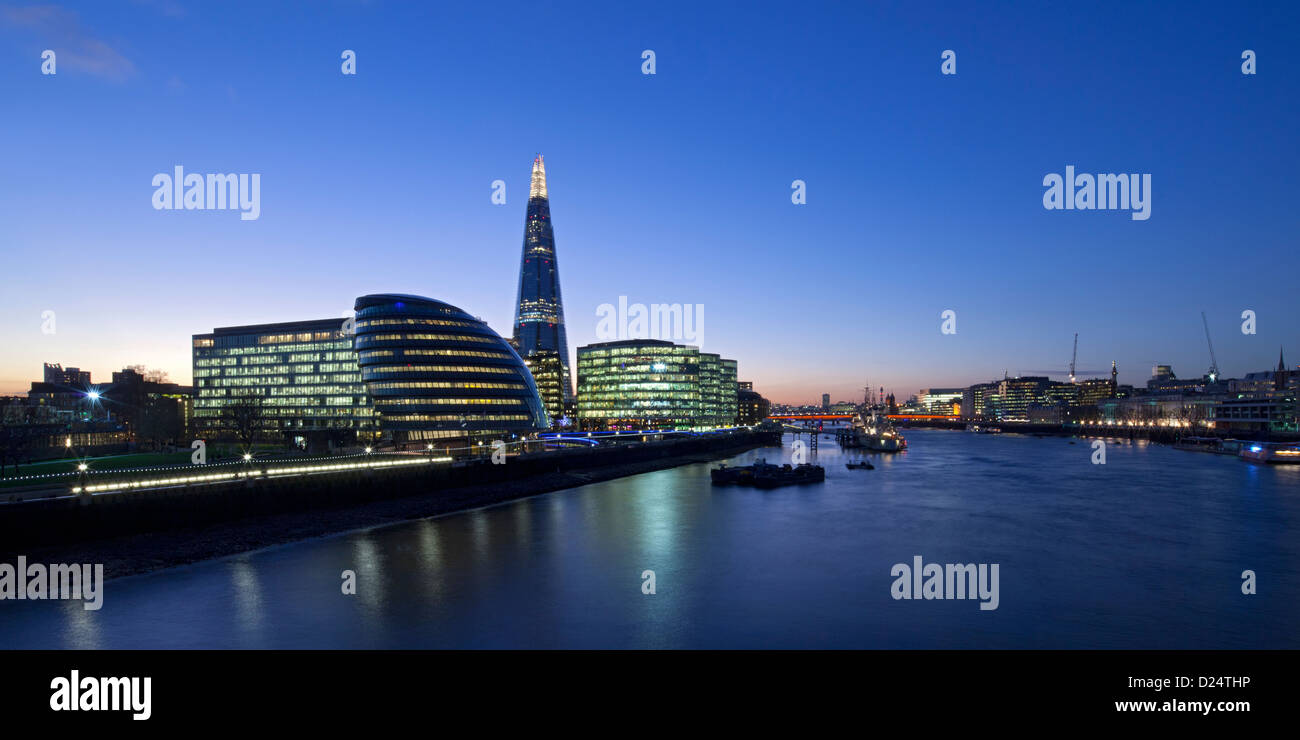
column 538, row 187
column 539, row 309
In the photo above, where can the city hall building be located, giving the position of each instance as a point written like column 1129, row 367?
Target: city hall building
column 437, row 375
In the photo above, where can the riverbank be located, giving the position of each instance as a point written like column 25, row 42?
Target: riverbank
column 1155, row 433
column 402, row 498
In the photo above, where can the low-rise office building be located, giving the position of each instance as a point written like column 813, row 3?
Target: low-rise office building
column 296, row 382
column 639, row 384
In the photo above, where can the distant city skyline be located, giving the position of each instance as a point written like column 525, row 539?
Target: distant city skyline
column 924, row 191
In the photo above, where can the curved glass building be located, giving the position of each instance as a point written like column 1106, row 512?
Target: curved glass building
column 435, row 372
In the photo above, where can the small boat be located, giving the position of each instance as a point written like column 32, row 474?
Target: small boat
column 1212, row 444
column 983, row 429
column 864, row 465
column 1274, row 453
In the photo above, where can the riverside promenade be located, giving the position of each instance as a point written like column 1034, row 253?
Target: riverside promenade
column 134, row 530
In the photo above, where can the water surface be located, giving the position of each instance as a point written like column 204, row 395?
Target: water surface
column 1146, row 551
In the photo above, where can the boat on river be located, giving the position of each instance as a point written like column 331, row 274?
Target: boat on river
column 739, row 475
column 877, row 432
column 763, row 474
column 1274, row 453
column 1214, row 445
column 789, row 476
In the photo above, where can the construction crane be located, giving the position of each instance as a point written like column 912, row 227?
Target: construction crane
column 1074, row 356
column 1214, row 364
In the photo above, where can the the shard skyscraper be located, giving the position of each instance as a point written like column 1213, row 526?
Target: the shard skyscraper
column 539, row 310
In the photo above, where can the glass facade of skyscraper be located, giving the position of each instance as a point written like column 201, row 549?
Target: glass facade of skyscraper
column 303, row 375
column 548, row 374
column 539, row 307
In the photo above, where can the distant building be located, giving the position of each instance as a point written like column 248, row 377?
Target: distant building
column 710, row 390
column 939, row 400
column 154, row 411
column 1047, row 413
column 1163, row 381
column 1064, row 395
column 1280, row 379
column 826, row 402
column 753, row 407
column 71, row 377
column 1280, row 413
column 1262, row 401
column 728, row 393
column 1016, row 394
column 1095, row 390
column 64, row 403
column 980, row 401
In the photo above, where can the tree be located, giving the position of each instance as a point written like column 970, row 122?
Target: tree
column 159, row 421
column 15, row 443
column 245, row 417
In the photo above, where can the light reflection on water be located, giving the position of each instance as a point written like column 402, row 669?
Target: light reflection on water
column 1145, row 552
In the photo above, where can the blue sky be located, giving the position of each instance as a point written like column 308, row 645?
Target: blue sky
column 924, row 191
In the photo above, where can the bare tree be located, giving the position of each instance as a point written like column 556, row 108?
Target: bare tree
column 159, row 421
column 16, row 441
column 245, row 417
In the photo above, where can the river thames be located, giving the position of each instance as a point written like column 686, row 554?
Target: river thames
column 1144, row 551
